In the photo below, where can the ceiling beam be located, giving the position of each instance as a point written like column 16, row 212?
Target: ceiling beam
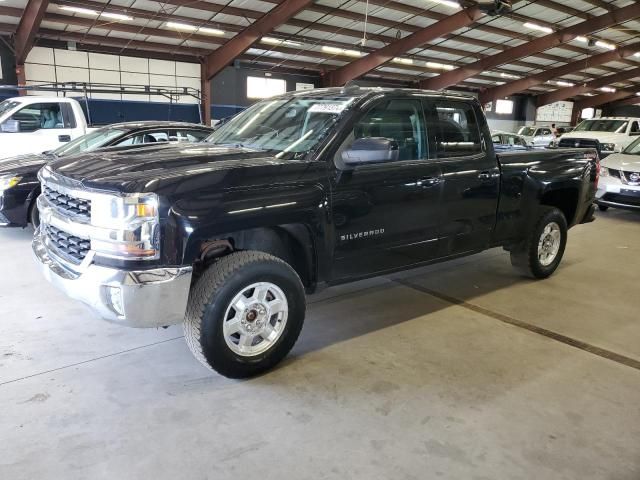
column 381, row 56
column 604, row 99
column 627, row 101
column 241, row 42
column 569, row 92
column 528, row 82
column 542, row 43
column 28, row 28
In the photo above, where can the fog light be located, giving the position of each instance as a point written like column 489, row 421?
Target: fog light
column 114, row 296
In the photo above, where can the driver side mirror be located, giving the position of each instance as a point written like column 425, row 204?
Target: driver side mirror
column 10, row 126
column 371, row 150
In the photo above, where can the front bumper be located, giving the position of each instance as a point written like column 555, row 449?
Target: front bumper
column 613, row 193
column 143, row 298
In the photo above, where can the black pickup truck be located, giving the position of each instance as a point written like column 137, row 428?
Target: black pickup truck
column 307, row 189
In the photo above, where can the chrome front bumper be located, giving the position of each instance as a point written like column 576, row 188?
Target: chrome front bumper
column 144, row 298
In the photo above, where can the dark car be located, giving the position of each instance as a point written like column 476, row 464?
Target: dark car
column 19, row 185
column 302, row 190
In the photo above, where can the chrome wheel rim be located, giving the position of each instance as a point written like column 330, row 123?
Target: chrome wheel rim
column 255, row 319
column 549, row 244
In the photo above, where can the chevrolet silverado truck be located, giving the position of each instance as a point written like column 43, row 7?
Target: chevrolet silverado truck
column 299, row 191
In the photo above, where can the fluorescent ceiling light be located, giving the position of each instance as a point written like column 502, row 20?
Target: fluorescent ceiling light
column 116, row 16
column 638, row 94
column 637, row 54
column 181, row 26
column 440, row 66
column 565, row 84
column 210, row 31
column 606, row 45
column 508, row 75
column 337, row 51
column 535, row 26
column 86, row 11
column 277, row 41
column 607, row 89
column 405, row 61
column 447, row 3
column 582, row 39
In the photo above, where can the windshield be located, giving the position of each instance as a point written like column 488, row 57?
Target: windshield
column 633, row 148
column 602, row 125
column 90, row 141
column 291, row 126
column 7, row 105
column 527, row 131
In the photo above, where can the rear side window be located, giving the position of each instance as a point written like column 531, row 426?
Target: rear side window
column 453, row 129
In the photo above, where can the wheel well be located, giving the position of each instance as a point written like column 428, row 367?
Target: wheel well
column 564, row 199
column 292, row 243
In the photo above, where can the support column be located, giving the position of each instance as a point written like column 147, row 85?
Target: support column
column 22, row 79
column 205, row 94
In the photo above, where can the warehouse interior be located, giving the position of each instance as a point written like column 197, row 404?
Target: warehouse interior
column 454, row 370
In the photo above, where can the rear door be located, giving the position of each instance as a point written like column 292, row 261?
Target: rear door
column 471, row 176
column 386, row 215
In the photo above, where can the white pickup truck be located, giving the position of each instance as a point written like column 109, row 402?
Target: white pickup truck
column 32, row 124
column 613, row 133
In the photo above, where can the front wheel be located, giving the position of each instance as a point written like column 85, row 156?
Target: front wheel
column 603, row 208
column 244, row 314
column 542, row 250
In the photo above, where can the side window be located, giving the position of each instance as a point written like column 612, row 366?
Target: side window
column 634, row 127
column 545, row 131
column 145, row 137
column 399, row 120
column 521, row 141
column 455, row 127
column 496, row 139
column 188, row 135
column 39, row 116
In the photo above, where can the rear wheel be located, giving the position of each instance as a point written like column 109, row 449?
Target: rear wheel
column 542, row 250
column 603, row 208
column 244, row 314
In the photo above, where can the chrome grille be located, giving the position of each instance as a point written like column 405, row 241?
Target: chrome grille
column 66, row 203
column 69, row 246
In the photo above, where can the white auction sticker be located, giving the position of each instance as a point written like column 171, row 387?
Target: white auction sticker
column 327, row 108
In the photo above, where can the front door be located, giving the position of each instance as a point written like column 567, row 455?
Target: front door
column 470, row 172
column 386, row 215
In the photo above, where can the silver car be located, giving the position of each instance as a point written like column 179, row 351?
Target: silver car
column 619, row 184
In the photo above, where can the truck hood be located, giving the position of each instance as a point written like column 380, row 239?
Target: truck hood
column 621, row 161
column 23, row 164
column 602, row 137
column 154, row 168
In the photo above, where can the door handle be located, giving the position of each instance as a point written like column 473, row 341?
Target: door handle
column 428, row 181
column 64, row 138
column 484, row 176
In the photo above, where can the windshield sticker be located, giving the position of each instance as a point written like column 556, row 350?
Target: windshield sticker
column 334, row 108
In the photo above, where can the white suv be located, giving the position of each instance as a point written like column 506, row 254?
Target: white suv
column 619, row 184
column 613, row 133
column 537, row 135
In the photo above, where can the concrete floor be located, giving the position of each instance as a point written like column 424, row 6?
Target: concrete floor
column 386, row 382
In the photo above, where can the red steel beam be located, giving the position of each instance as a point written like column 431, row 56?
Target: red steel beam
column 604, row 98
column 569, row 68
column 627, row 101
column 539, row 44
column 381, row 56
column 564, row 93
column 239, row 44
column 28, row 28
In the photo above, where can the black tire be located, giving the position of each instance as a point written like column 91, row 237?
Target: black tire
column 526, row 258
column 211, row 296
column 603, row 208
column 34, row 215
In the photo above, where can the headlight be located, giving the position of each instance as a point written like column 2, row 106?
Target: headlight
column 604, row 171
column 7, row 182
column 608, row 147
column 129, row 226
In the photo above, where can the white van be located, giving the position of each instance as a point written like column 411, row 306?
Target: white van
column 613, row 133
column 32, row 124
